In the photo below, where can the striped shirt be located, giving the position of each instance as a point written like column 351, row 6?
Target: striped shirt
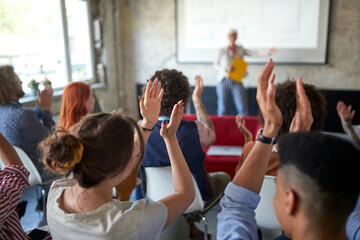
column 13, row 180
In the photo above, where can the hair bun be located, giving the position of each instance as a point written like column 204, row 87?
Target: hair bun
column 62, row 153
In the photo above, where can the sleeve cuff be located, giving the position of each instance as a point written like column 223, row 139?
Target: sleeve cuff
column 242, row 195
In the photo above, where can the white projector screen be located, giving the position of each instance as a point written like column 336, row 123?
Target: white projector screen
column 297, row 28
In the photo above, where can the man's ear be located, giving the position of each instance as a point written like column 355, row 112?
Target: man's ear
column 292, row 201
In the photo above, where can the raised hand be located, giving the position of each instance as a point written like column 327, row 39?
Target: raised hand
column 151, row 104
column 345, row 113
column 168, row 130
column 44, row 98
column 199, row 87
column 303, row 118
column 240, row 123
column 265, row 97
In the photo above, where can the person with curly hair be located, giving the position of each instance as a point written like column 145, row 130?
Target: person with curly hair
column 192, row 136
column 286, row 100
column 23, row 127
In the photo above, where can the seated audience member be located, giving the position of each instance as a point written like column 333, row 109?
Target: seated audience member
column 310, row 201
column 286, row 100
column 23, row 127
column 100, row 152
column 191, row 135
column 346, row 115
column 13, row 180
column 77, row 102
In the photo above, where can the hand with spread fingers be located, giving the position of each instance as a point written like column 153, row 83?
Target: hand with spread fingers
column 168, row 130
column 240, row 123
column 345, row 113
column 151, row 104
column 265, row 97
column 303, row 118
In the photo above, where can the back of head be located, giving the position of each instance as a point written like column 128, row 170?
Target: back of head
column 286, row 100
column 73, row 103
column 324, row 170
column 176, row 87
column 10, row 85
column 99, row 147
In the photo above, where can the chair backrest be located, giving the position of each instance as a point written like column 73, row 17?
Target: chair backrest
column 265, row 214
column 159, row 184
column 34, row 177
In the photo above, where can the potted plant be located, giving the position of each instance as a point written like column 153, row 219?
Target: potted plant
column 46, row 82
column 33, row 85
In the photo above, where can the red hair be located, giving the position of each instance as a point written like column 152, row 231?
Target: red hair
column 73, row 103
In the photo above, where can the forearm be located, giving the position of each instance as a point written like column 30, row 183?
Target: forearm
column 349, row 129
column 145, row 129
column 8, row 153
column 253, row 170
column 201, row 113
column 182, row 178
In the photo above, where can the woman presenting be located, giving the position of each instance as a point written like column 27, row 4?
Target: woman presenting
column 225, row 85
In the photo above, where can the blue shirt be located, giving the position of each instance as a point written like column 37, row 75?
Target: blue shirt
column 237, row 217
column 25, row 128
column 156, row 154
column 353, row 223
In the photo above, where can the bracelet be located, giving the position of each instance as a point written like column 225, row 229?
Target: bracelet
column 266, row 140
column 147, row 129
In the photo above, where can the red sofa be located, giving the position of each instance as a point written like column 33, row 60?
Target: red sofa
column 227, row 134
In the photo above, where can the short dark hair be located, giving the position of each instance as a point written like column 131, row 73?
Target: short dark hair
column 286, row 100
column 176, row 87
column 326, row 169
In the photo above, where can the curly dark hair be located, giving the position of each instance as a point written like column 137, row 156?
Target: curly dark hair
column 176, row 87
column 286, row 100
column 10, row 85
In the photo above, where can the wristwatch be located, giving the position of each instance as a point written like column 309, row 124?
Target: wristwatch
column 264, row 139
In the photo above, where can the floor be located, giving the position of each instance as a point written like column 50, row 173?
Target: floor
column 33, row 219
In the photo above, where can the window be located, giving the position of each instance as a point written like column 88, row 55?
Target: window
column 47, row 39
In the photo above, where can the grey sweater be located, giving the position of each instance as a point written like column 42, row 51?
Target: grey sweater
column 25, row 128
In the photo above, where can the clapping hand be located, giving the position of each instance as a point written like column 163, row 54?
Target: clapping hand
column 168, row 130
column 265, row 97
column 151, row 104
column 345, row 113
column 44, row 98
column 240, row 123
column 303, row 118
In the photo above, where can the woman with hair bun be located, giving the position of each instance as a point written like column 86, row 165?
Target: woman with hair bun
column 98, row 154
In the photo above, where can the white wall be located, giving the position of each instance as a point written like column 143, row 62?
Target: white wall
column 149, row 44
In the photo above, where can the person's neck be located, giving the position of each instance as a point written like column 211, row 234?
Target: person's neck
column 315, row 232
column 78, row 199
column 232, row 45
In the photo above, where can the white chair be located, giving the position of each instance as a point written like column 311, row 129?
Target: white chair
column 265, row 214
column 159, row 184
column 34, row 177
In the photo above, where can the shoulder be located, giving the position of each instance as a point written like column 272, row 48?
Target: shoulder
column 60, row 185
column 142, row 207
column 148, row 215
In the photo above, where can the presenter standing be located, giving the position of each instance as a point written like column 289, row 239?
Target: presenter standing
column 225, row 85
